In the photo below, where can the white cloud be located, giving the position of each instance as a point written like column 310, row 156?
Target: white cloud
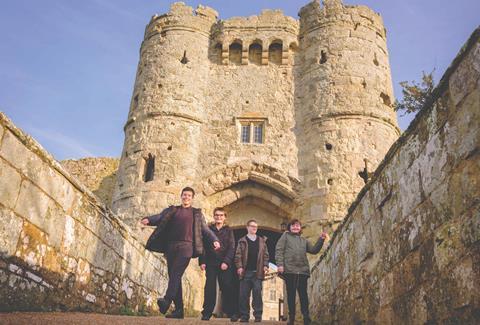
column 63, row 144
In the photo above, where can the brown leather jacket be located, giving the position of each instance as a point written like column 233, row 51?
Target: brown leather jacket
column 242, row 254
column 158, row 239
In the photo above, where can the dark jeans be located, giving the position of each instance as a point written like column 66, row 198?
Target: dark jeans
column 250, row 283
column 226, row 283
column 178, row 256
column 297, row 282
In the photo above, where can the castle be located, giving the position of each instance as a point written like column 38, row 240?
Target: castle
column 272, row 118
column 268, row 116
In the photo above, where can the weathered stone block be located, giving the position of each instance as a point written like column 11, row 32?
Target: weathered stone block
column 10, row 229
column 38, row 171
column 32, row 204
column 448, row 244
column 10, row 181
column 465, row 79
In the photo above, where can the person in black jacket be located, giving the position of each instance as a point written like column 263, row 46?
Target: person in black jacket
column 179, row 234
column 219, row 265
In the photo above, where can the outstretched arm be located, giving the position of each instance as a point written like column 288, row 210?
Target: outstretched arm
column 155, row 219
column 207, row 232
column 318, row 245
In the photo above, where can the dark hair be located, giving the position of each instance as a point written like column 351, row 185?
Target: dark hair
column 251, row 220
column 292, row 222
column 221, row 210
column 188, row 189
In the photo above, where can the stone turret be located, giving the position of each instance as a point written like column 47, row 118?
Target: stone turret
column 343, row 106
column 162, row 134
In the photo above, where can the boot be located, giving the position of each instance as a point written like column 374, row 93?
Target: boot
column 177, row 313
column 307, row 320
column 291, row 320
column 163, row 305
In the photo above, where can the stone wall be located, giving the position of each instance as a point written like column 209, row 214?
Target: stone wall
column 409, row 251
column 60, row 248
column 99, row 175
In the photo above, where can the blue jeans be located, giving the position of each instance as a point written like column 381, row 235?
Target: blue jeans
column 250, row 284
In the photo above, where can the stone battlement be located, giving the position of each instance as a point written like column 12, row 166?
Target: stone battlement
column 182, row 17
column 314, row 16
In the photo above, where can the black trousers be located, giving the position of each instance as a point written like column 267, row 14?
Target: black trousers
column 250, row 284
column 297, row 282
column 178, row 256
column 227, row 286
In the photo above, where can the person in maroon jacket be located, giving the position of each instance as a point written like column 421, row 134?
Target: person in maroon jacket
column 179, row 234
column 218, row 265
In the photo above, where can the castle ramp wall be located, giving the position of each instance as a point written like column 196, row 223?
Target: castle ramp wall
column 408, row 252
column 60, row 247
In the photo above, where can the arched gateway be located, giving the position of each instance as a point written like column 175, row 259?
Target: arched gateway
column 254, row 191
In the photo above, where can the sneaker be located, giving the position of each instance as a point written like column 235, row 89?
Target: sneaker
column 163, row 305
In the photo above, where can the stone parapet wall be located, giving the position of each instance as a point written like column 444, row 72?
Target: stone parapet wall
column 182, row 17
column 60, row 248
column 97, row 174
column 409, row 250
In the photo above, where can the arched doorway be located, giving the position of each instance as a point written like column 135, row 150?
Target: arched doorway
column 268, row 208
column 252, row 190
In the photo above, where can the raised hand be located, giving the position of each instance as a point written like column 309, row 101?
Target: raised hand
column 325, row 236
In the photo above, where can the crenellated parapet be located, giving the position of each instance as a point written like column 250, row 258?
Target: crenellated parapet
column 255, row 39
column 315, row 15
column 182, row 17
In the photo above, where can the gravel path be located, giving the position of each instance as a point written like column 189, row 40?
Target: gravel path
column 101, row 319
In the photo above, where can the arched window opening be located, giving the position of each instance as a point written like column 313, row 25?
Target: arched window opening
column 235, row 53
column 292, row 53
column 216, row 54
column 255, row 54
column 275, row 53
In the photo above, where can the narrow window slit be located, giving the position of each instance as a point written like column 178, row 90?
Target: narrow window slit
column 149, row 168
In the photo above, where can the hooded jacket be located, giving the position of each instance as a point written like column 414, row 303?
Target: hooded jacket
column 291, row 252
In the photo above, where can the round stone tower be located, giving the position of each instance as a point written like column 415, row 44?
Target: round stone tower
column 344, row 116
column 163, row 131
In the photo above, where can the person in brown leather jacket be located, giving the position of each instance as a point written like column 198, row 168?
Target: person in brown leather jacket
column 251, row 260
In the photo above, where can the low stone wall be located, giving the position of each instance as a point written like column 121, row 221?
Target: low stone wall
column 409, row 250
column 60, row 248
column 99, row 175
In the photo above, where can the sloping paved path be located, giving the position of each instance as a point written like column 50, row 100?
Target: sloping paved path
column 100, row 319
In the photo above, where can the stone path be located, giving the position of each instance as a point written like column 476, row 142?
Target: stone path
column 100, row 319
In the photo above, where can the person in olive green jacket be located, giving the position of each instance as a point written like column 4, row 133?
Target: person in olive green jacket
column 291, row 256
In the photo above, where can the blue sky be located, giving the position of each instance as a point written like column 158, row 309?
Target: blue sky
column 67, row 67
